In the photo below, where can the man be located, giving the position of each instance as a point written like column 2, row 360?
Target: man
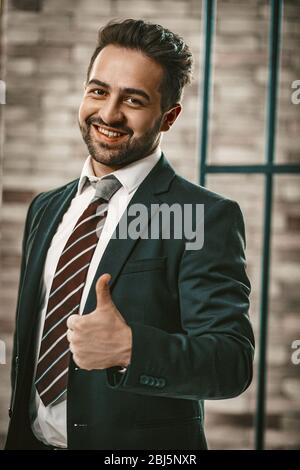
column 120, row 339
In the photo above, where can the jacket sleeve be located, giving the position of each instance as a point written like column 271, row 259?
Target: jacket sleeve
column 213, row 358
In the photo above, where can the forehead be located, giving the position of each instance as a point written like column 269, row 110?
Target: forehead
column 127, row 68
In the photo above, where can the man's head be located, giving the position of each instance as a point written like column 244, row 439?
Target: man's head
column 134, row 86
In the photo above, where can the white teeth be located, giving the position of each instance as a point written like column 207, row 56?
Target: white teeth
column 109, row 133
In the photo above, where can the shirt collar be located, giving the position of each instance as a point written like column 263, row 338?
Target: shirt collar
column 129, row 176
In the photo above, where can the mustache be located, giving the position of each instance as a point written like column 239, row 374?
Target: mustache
column 116, row 125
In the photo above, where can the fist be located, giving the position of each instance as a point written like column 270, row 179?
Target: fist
column 102, row 338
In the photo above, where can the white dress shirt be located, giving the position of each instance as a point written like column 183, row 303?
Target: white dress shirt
column 49, row 424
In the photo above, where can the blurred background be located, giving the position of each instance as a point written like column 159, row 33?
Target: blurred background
column 45, row 50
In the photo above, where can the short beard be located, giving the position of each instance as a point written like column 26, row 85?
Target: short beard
column 121, row 155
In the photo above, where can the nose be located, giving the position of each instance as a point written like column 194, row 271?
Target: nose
column 110, row 111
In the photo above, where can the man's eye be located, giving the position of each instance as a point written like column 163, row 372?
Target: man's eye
column 134, row 101
column 99, row 92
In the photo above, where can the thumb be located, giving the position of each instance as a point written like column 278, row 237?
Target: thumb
column 103, row 291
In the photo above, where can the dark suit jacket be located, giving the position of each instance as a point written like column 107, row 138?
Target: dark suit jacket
column 188, row 310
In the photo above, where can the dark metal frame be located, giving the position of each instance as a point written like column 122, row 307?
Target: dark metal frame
column 268, row 169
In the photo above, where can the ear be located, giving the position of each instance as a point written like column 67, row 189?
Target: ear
column 170, row 117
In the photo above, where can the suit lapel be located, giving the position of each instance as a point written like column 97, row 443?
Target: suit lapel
column 118, row 250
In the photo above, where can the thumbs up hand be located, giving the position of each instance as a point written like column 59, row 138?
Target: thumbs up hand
column 102, row 338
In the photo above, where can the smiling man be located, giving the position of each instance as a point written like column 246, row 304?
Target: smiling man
column 122, row 116
column 118, row 342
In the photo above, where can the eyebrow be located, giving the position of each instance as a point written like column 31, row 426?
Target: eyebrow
column 131, row 91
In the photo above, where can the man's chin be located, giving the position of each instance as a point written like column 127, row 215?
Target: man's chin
column 108, row 158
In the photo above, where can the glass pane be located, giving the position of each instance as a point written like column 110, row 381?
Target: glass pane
column 237, row 134
column 230, row 422
column 288, row 133
column 283, row 399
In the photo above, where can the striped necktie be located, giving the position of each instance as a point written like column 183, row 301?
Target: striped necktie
column 66, row 291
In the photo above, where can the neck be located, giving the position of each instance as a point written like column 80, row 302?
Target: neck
column 101, row 170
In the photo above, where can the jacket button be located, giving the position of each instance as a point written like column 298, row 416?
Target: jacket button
column 10, row 412
column 144, row 379
column 156, row 383
column 161, row 382
column 151, row 381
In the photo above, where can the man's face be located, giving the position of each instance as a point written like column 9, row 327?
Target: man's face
column 120, row 115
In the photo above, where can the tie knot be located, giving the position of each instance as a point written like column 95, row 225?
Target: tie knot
column 106, row 187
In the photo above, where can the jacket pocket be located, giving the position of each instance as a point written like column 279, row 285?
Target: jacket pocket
column 145, row 264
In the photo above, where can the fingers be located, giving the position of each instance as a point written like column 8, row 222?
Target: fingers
column 69, row 335
column 73, row 321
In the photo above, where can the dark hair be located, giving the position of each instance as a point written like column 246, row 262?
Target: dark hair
column 158, row 43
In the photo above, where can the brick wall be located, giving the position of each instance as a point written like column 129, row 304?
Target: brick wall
column 48, row 50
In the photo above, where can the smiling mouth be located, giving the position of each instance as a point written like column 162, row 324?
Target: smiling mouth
column 109, row 136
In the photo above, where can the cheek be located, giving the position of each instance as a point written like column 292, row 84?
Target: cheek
column 142, row 124
column 86, row 109
column 82, row 112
